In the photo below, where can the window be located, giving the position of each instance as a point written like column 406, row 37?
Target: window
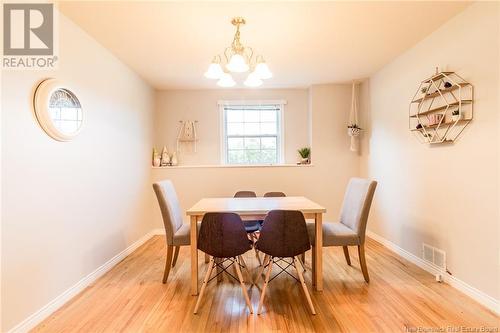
column 252, row 132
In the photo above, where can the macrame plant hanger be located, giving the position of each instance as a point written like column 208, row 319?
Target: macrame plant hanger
column 353, row 129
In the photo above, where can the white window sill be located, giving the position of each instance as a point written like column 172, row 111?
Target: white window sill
column 237, row 166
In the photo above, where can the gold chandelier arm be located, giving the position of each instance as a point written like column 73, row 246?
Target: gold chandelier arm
column 248, row 51
column 227, row 53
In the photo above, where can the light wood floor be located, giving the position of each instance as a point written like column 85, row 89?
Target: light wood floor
column 131, row 298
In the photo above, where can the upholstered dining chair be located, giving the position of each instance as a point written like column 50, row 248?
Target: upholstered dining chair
column 283, row 236
column 177, row 233
column 274, row 195
column 223, row 237
column 351, row 228
column 252, row 227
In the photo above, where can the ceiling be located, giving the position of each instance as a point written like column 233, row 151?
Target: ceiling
column 170, row 44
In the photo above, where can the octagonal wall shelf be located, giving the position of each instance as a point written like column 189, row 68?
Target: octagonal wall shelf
column 441, row 108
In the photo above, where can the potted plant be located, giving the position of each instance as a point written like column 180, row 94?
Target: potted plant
column 353, row 130
column 305, row 154
column 456, row 115
column 423, row 90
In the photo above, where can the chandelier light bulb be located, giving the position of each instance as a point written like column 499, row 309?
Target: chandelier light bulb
column 237, row 64
column 253, row 80
column 262, row 71
column 214, row 71
column 226, row 81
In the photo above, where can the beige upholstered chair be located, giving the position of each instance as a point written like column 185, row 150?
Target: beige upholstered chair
column 351, row 229
column 177, row 233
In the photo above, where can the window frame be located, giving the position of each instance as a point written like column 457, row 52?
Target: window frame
column 280, row 135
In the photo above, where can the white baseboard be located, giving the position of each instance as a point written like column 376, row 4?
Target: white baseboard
column 474, row 293
column 60, row 300
column 158, row 231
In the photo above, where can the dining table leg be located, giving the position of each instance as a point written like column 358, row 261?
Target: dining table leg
column 318, row 255
column 194, row 255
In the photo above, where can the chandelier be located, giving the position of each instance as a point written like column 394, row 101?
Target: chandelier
column 238, row 59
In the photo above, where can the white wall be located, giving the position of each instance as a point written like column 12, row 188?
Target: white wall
column 70, row 207
column 324, row 125
column 446, row 196
column 201, row 105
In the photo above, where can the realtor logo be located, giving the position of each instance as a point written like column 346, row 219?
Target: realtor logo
column 28, row 36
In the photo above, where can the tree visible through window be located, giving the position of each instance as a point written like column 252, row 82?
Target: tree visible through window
column 252, row 134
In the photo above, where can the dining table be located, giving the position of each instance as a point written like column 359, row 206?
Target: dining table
column 256, row 209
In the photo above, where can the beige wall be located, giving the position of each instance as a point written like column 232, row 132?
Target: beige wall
column 446, row 196
column 323, row 182
column 70, row 207
column 173, row 106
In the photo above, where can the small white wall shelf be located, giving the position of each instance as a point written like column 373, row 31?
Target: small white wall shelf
column 441, row 108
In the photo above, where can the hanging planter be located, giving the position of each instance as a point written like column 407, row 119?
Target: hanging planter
column 353, row 129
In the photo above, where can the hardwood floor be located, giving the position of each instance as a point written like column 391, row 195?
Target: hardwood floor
column 400, row 296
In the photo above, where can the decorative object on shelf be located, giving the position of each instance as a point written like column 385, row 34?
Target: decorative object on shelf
column 423, row 91
column 442, row 113
column 456, row 115
column 238, row 59
column 156, row 158
column 353, row 129
column 165, row 159
column 187, row 135
column 305, row 155
column 435, row 119
column 173, row 159
column 58, row 110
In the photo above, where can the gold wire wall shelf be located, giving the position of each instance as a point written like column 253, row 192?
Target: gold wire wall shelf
column 441, row 108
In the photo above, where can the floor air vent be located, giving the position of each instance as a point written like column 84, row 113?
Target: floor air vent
column 434, row 256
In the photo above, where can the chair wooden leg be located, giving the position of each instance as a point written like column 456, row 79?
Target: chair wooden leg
column 362, row 262
column 204, row 285
column 250, row 278
column 303, row 283
column 263, row 294
column 242, row 283
column 176, row 255
column 313, row 265
column 346, row 255
column 261, row 269
column 302, row 263
column 168, row 263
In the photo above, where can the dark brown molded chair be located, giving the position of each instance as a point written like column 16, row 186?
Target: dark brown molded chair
column 283, row 236
column 245, row 194
column 274, row 195
column 223, row 237
column 177, row 233
column 252, row 226
column 351, row 229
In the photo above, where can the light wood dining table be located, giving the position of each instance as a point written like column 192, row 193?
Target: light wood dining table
column 256, row 209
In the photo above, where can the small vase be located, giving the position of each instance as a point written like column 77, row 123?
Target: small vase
column 173, row 159
column 156, row 158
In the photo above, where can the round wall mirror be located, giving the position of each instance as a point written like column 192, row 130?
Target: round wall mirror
column 58, row 110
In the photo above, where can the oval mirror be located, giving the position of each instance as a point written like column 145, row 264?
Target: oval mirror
column 58, row 110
